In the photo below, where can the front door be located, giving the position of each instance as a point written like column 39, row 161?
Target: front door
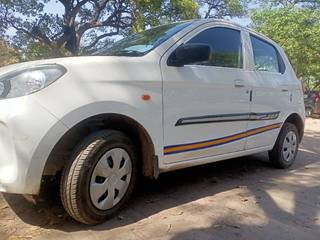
column 206, row 105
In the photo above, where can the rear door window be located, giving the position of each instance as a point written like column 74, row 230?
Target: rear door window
column 266, row 57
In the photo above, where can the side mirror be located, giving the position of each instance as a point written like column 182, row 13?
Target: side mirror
column 189, row 54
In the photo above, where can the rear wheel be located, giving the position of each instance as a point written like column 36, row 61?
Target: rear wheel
column 100, row 178
column 286, row 148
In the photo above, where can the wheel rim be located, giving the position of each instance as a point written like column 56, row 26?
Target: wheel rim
column 289, row 147
column 110, row 179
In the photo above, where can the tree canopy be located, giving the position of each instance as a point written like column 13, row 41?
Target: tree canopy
column 154, row 12
column 311, row 4
column 85, row 24
column 8, row 55
column 297, row 31
column 221, row 9
column 79, row 18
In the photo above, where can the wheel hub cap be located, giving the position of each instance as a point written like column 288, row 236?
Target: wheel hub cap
column 110, row 179
column 289, row 147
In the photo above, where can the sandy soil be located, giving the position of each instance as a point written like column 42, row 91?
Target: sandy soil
column 242, row 198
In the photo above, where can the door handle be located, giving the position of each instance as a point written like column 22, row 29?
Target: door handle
column 239, row 83
column 284, row 88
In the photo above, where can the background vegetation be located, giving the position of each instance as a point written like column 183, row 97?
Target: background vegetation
column 32, row 29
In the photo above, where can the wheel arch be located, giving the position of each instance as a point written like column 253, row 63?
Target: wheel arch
column 63, row 149
column 296, row 120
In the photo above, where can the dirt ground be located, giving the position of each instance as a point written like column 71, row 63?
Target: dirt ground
column 242, row 198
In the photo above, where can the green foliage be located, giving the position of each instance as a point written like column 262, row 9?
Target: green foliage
column 38, row 50
column 86, row 24
column 311, row 4
column 8, row 55
column 176, row 10
column 145, row 13
column 297, row 31
column 155, row 12
column 81, row 18
column 224, row 8
column 33, row 49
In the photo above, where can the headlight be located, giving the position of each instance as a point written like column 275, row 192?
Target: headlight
column 24, row 82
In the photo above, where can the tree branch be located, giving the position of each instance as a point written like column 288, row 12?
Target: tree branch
column 39, row 37
column 100, row 38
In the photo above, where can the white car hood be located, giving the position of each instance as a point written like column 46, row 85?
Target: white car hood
column 89, row 64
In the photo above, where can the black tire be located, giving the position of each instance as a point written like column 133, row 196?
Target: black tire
column 75, row 182
column 276, row 154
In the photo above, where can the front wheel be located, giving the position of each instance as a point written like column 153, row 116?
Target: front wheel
column 100, row 178
column 286, row 148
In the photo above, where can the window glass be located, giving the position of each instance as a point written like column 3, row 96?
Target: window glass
column 141, row 43
column 226, row 47
column 266, row 57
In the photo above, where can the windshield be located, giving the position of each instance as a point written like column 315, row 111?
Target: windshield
column 141, row 43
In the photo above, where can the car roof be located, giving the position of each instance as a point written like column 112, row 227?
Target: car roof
column 216, row 20
column 230, row 23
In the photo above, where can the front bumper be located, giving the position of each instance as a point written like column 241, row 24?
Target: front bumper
column 28, row 133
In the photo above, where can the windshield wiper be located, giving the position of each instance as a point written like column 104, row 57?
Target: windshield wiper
column 132, row 53
column 127, row 53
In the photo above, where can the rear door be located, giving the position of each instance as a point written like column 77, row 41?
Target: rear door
column 206, row 104
column 270, row 93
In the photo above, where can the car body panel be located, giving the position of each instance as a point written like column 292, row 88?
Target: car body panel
column 23, row 146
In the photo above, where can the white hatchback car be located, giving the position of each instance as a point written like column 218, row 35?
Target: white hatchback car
column 171, row 97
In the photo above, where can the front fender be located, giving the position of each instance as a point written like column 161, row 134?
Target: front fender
column 67, row 122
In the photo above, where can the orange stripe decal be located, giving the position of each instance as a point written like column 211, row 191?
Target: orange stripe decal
column 219, row 141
